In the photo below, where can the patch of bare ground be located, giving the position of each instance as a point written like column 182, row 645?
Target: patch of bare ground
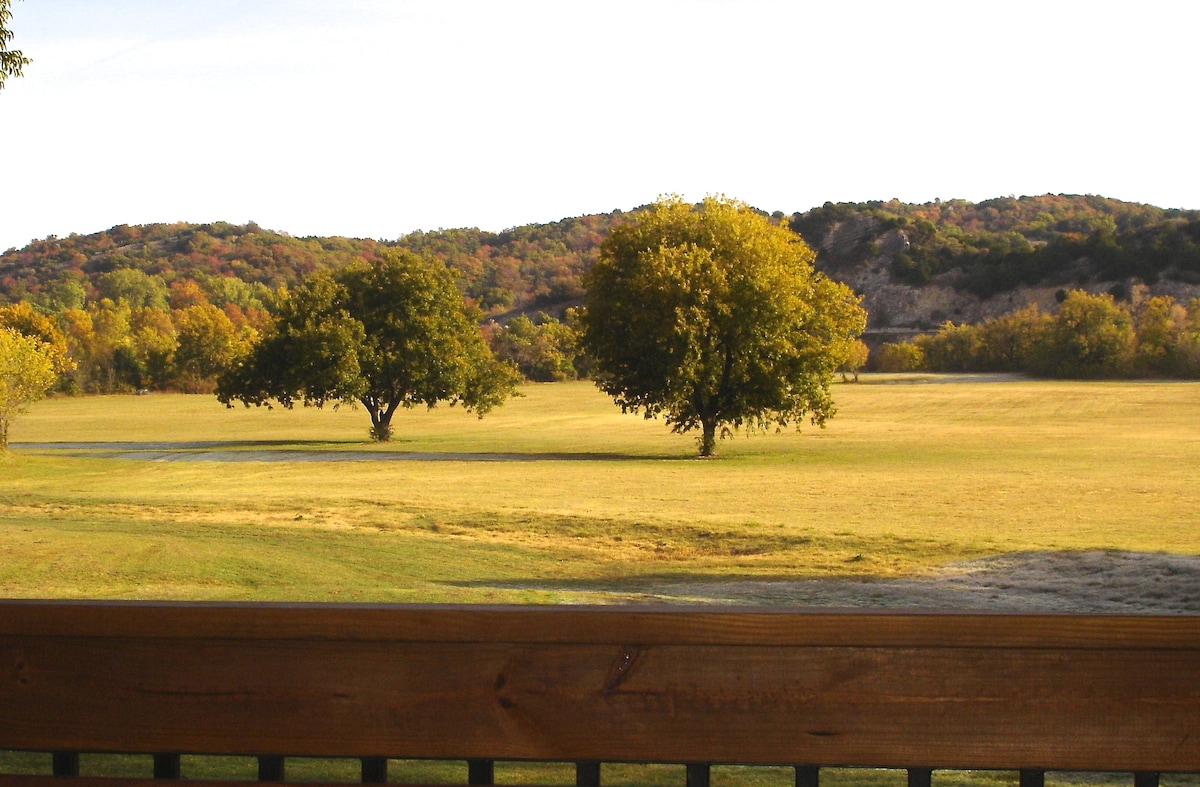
column 1089, row 582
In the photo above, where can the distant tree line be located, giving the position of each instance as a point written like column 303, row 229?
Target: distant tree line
column 1089, row 336
column 542, row 348
column 133, row 332
column 114, row 348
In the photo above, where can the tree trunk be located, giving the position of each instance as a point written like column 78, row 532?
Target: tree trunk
column 381, row 416
column 381, row 425
column 708, row 440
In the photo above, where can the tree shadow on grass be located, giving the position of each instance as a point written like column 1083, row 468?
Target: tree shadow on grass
column 728, row 590
column 170, row 445
column 1103, row 582
column 655, row 583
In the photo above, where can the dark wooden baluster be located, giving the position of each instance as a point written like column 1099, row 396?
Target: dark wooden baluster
column 481, row 771
column 587, row 774
column 167, row 766
column 270, row 769
column 808, row 776
column 374, row 770
column 698, row 774
column 1031, row 778
column 920, row 777
column 65, row 763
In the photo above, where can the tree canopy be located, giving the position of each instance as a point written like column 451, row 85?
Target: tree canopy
column 387, row 333
column 12, row 61
column 714, row 317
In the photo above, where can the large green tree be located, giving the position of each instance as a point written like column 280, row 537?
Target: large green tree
column 714, row 317
column 28, row 369
column 12, row 61
column 386, row 334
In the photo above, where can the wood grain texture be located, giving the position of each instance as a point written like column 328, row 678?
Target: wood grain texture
column 607, row 684
column 595, row 624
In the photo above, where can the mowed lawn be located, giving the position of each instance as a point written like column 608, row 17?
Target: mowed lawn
column 559, row 497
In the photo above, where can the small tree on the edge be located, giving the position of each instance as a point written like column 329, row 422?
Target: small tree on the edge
column 28, row 369
column 12, row 61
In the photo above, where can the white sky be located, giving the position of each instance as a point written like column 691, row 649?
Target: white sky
column 372, row 118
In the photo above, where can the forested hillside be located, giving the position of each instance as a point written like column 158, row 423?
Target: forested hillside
column 162, row 305
column 979, row 250
column 243, row 264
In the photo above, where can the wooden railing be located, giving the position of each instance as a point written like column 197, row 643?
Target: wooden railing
column 693, row 686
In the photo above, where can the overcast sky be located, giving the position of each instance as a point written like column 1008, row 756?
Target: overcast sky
column 373, row 118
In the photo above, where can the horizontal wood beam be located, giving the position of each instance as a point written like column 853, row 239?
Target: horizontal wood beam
column 648, row 625
column 604, row 685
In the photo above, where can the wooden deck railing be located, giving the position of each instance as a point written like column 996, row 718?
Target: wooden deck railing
column 695, row 686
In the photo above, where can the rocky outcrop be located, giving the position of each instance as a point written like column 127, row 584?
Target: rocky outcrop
column 860, row 252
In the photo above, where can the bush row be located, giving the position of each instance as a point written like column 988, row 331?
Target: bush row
column 1089, row 336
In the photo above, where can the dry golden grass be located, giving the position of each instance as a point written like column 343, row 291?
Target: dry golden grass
column 559, row 497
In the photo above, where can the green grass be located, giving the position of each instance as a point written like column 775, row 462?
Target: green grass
column 300, row 769
column 579, row 503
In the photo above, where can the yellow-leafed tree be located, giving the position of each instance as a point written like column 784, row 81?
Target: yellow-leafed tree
column 28, row 369
column 714, row 317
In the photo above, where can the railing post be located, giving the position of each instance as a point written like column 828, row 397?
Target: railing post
column 1145, row 779
column 698, row 774
column 270, row 769
column 808, row 776
column 481, row 771
column 65, row 763
column 1032, row 778
column 374, row 770
column 167, row 766
column 920, row 777
column 587, row 774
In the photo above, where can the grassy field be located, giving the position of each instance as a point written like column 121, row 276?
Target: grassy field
column 558, row 497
